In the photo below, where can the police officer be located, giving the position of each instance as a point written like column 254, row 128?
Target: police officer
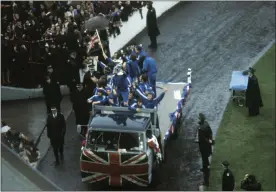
column 205, row 140
column 152, row 27
column 80, row 108
column 52, row 94
column 90, row 81
column 228, row 180
column 72, row 71
column 56, row 128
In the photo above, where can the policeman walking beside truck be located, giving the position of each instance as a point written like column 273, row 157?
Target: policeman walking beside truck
column 56, row 128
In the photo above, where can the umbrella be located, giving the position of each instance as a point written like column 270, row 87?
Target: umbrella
column 97, row 22
column 49, row 4
column 74, row 3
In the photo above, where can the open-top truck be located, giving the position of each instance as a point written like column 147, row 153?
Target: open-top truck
column 126, row 148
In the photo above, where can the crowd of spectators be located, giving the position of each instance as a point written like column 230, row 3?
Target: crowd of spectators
column 38, row 34
column 20, row 144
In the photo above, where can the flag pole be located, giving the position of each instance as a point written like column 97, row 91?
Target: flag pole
column 100, row 42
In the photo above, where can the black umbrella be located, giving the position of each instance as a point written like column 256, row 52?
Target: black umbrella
column 98, row 22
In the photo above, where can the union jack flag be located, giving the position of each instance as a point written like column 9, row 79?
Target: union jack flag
column 114, row 168
column 95, row 38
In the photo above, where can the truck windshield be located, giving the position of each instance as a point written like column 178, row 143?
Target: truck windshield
column 115, row 141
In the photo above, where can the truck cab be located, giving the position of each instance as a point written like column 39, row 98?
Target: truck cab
column 117, row 150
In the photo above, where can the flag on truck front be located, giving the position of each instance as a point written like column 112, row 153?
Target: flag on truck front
column 114, row 169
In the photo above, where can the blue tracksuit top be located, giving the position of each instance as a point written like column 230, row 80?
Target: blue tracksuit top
column 121, row 82
column 96, row 91
column 149, row 66
column 143, row 87
column 133, row 68
column 133, row 107
column 142, row 53
column 113, row 98
column 131, row 101
column 97, row 98
column 150, row 104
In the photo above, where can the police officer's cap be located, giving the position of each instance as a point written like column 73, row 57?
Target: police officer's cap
column 225, row 163
column 49, row 67
column 201, row 116
column 79, row 85
column 149, row 2
column 251, row 70
column 53, row 108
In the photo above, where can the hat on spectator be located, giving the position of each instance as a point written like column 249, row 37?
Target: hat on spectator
column 225, row 163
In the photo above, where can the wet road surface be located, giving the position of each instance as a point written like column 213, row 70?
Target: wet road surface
column 29, row 117
column 212, row 38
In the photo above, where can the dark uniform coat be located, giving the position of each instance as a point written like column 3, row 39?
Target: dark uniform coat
column 80, row 107
column 204, row 135
column 253, row 96
column 56, row 128
column 89, row 85
column 152, row 27
column 228, row 181
column 52, row 94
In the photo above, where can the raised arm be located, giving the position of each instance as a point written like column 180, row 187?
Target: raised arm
column 141, row 95
column 101, row 65
column 158, row 99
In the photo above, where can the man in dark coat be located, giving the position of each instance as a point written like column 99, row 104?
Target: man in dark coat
column 89, row 80
column 52, row 94
column 52, row 74
column 228, row 180
column 253, row 94
column 80, row 108
column 153, row 30
column 56, row 128
column 72, row 70
column 205, row 140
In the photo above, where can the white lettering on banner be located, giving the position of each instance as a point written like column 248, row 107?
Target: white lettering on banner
column 177, row 94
